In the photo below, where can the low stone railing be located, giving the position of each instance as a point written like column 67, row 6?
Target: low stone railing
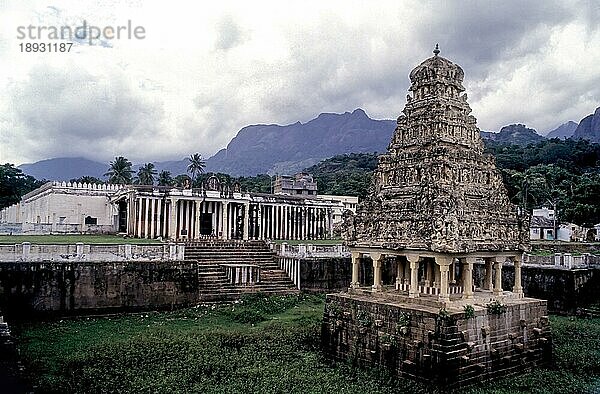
column 242, row 274
column 291, row 265
column 28, row 252
column 563, row 260
column 310, row 250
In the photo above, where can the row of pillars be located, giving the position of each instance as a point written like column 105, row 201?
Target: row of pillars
column 438, row 274
column 150, row 217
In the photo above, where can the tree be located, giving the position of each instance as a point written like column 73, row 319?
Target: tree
column 145, row 175
column 120, row 171
column 86, row 179
column 196, row 165
column 14, row 184
column 165, row 178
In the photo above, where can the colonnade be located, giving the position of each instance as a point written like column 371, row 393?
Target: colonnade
column 180, row 218
column 282, row 221
column 441, row 275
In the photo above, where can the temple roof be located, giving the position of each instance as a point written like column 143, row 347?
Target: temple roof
column 434, row 189
column 437, row 69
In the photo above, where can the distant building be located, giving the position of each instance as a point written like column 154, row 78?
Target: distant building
column 543, row 222
column 61, row 207
column 216, row 210
column 350, row 204
column 299, row 184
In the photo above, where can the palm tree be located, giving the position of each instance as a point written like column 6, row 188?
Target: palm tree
column 120, row 171
column 196, row 165
column 165, row 178
column 87, row 179
column 145, row 175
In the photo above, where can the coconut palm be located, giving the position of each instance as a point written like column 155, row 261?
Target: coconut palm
column 145, row 175
column 196, row 166
column 165, row 178
column 120, row 171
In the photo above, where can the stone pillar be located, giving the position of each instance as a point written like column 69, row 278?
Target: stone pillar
column 428, row 273
column 159, row 219
column 147, row 219
column 406, row 272
column 399, row 273
column 498, row 276
column 377, row 261
column 225, row 229
column 284, row 223
column 487, row 281
column 246, row 219
column 355, row 269
column 152, row 221
column 138, row 227
column 444, row 263
column 197, row 208
column 259, row 219
column 173, row 219
column 413, row 260
column 436, row 275
column 517, row 288
column 468, row 277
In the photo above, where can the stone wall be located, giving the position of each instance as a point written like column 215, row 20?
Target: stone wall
column 450, row 351
column 91, row 252
column 565, row 290
column 59, row 288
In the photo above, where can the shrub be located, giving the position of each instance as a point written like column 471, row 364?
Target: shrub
column 469, row 311
column 496, row 308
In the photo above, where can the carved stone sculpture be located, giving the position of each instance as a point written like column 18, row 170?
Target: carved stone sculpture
column 435, row 189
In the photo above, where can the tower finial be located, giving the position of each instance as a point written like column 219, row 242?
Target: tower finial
column 436, row 51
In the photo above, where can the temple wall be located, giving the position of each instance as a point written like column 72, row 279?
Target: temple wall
column 90, row 252
column 565, row 290
column 452, row 351
column 62, row 288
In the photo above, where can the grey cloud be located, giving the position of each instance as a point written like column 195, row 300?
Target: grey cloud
column 229, row 34
column 478, row 35
column 70, row 110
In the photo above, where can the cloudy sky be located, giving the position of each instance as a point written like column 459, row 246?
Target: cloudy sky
column 204, row 70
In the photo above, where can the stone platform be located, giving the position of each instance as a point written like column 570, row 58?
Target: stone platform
column 451, row 345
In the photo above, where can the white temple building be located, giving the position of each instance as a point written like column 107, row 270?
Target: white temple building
column 214, row 211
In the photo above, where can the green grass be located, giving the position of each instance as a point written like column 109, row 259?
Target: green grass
column 72, row 239
column 263, row 345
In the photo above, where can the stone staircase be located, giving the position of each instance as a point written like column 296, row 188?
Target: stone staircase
column 213, row 284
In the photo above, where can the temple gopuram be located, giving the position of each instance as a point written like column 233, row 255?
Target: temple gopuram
column 428, row 298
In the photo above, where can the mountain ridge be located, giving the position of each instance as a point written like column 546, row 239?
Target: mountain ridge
column 285, row 149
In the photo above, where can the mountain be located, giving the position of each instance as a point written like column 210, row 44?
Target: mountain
column 563, row 131
column 64, row 168
column 259, row 149
column 514, row 134
column 589, row 127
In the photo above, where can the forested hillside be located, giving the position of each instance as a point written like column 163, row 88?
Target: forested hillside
column 565, row 172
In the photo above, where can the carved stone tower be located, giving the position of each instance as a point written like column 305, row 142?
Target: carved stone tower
column 438, row 216
column 435, row 189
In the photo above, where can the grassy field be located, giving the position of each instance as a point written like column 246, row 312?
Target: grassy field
column 262, row 345
column 72, row 239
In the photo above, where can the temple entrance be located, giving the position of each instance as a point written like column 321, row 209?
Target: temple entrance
column 122, row 225
column 206, row 221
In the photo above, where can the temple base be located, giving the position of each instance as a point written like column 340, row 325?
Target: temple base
column 449, row 344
